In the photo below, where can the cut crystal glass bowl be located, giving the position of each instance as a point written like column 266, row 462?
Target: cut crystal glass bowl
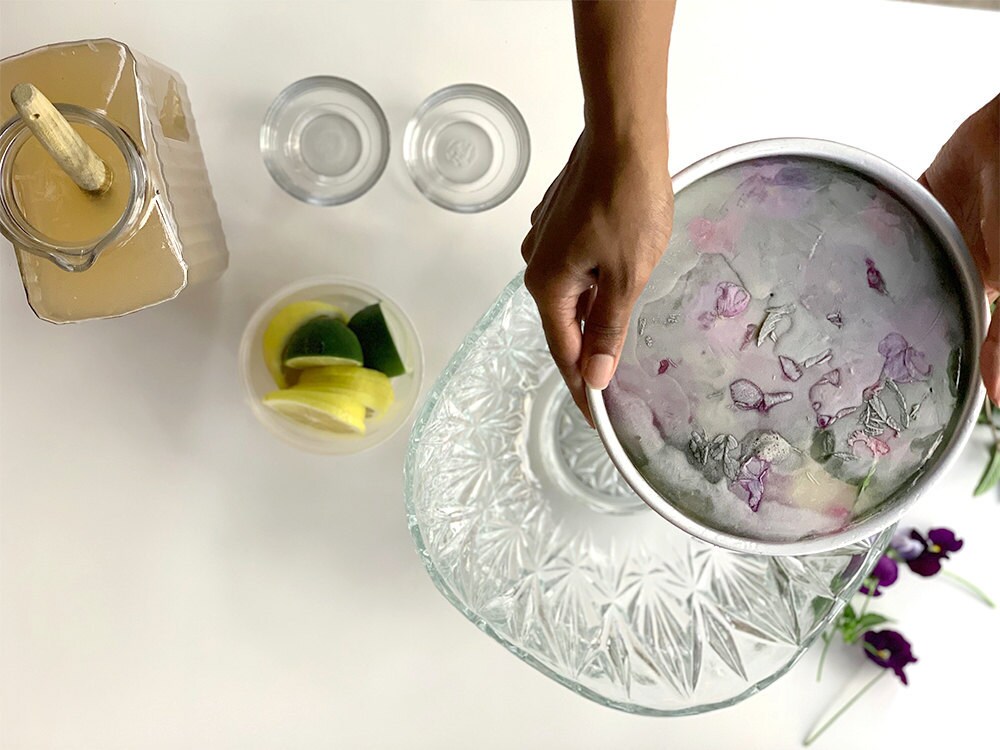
column 526, row 528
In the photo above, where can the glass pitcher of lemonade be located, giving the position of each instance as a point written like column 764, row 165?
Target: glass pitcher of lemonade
column 84, row 256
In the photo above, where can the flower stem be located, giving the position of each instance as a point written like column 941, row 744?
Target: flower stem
column 970, row 587
column 827, row 640
column 815, row 734
column 872, row 650
column 872, row 585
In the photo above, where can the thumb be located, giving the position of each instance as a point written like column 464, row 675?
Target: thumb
column 605, row 328
column 989, row 360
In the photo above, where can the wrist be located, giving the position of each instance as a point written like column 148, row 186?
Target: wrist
column 638, row 141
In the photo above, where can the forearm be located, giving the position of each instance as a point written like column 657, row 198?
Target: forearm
column 622, row 49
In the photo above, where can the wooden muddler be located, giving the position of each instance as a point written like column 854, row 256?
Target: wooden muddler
column 71, row 153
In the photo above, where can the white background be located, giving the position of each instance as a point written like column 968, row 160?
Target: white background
column 171, row 576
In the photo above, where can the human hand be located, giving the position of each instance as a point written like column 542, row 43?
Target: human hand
column 965, row 178
column 595, row 238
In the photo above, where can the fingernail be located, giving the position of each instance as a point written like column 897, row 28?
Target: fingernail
column 597, row 374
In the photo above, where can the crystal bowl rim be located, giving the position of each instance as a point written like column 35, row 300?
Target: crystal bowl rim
column 440, row 581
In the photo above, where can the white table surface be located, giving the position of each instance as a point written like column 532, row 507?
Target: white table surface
column 171, row 576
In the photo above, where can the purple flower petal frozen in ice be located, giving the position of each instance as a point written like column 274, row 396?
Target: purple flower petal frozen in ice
column 892, row 345
column 790, row 368
column 875, row 280
column 750, row 481
column 715, row 236
column 882, row 222
column 903, row 363
column 818, row 359
column 832, row 378
column 825, row 420
column 665, row 364
column 875, row 446
column 751, row 329
column 748, row 396
column 700, row 231
column 732, row 300
column 773, row 399
column 707, row 319
column 795, row 176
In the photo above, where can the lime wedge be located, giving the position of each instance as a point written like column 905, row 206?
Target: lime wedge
column 380, row 351
column 371, row 387
column 322, row 342
column 285, row 322
column 331, row 412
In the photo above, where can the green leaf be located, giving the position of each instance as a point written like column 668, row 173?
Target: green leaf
column 991, row 477
column 868, row 478
column 870, row 620
column 984, row 413
column 823, row 445
column 846, row 622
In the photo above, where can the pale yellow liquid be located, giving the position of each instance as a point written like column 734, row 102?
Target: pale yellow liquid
column 54, row 205
column 144, row 266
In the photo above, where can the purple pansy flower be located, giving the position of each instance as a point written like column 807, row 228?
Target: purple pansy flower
column 903, row 363
column 905, row 546
column 889, row 650
column 884, row 574
column 875, row 280
column 750, row 479
column 937, row 545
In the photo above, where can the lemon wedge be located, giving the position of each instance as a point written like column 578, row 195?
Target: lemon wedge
column 371, row 387
column 331, row 412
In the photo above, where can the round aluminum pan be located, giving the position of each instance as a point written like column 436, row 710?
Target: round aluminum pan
column 967, row 280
